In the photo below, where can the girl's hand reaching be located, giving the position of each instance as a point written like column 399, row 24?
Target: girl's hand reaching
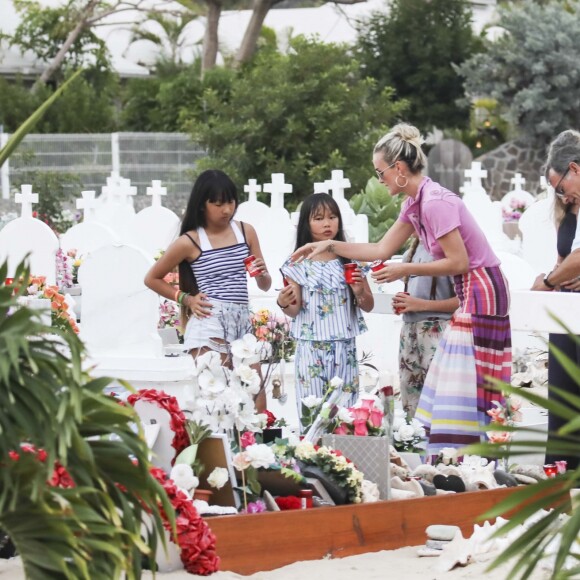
column 310, row 250
column 199, row 306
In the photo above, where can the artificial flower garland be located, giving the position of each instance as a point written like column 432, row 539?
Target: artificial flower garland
column 194, row 537
column 177, row 418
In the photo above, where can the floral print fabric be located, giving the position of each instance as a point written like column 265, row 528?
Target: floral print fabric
column 418, row 344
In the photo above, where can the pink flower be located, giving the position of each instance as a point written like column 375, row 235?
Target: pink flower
column 376, row 417
column 241, row 461
column 247, row 438
column 360, row 427
column 360, row 413
column 367, row 404
column 499, row 437
column 561, row 466
column 496, row 415
column 342, row 429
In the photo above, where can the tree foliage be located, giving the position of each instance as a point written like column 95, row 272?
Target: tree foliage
column 532, row 70
column 412, row 49
column 301, row 114
column 89, row 108
column 381, row 208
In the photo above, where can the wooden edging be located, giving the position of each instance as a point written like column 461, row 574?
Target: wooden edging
column 251, row 543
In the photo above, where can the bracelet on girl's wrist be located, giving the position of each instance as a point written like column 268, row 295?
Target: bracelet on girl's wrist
column 280, row 305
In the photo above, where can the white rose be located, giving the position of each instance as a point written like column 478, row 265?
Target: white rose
column 218, row 477
column 344, row 415
column 336, row 382
column 183, row 476
column 406, row 433
column 260, row 455
column 241, row 461
column 311, row 401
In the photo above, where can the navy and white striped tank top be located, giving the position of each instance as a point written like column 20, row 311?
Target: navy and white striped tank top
column 220, row 273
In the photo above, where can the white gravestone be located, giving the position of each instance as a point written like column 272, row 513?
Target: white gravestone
column 487, row 213
column 119, row 313
column 28, row 235
column 154, row 228
column 539, row 235
column 517, row 194
column 275, row 231
column 89, row 234
column 119, row 323
column 116, row 208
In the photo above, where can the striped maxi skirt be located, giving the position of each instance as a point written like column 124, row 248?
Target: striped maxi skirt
column 477, row 344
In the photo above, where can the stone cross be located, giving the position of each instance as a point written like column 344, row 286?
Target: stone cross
column 126, row 191
column 277, row 188
column 118, row 189
column 321, row 187
column 337, row 183
column 88, row 203
column 252, row 188
column 156, row 191
column 476, row 173
column 518, row 182
column 26, row 198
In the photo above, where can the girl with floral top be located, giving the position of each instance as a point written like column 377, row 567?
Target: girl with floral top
column 326, row 310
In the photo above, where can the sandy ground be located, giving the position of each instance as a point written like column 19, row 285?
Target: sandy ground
column 402, row 563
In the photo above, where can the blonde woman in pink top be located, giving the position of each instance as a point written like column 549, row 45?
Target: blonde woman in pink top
column 477, row 343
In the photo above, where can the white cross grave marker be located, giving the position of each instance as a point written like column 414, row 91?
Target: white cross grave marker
column 277, row 188
column 337, row 183
column 126, row 191
column 26, row 198
column 321, row 187
column 518, row 182
column 475, row 174
column 156, row 191
column 88, row 203
column 252, row 189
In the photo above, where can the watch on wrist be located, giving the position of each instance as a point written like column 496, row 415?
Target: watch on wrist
column 547, row 282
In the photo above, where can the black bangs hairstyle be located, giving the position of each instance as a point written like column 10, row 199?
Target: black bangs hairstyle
column 313, row 204
column 211, row 185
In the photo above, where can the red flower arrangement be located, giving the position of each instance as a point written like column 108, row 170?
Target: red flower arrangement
column 194, row 536
column 177, row 422
column 290, row 502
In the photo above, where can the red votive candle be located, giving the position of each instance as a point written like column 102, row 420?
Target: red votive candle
column 251, row 268
column 305, row 496
column 349, row 271
column 550, row 470
column 377, row 265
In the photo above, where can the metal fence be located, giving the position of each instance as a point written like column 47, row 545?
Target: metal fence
column 140, row 157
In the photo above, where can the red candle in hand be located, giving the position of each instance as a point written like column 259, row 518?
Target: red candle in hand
column 349, row 271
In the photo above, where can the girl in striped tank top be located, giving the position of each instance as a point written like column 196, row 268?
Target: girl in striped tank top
column 326, row 310
column 210, row 252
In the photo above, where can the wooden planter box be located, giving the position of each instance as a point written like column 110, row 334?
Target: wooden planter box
column 251, row 543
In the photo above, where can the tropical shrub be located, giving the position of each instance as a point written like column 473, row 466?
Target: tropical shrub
column 75, row 481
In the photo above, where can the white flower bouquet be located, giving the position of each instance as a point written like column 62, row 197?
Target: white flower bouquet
column 408, row 434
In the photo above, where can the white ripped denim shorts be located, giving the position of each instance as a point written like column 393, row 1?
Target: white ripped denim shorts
column 228, row 322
